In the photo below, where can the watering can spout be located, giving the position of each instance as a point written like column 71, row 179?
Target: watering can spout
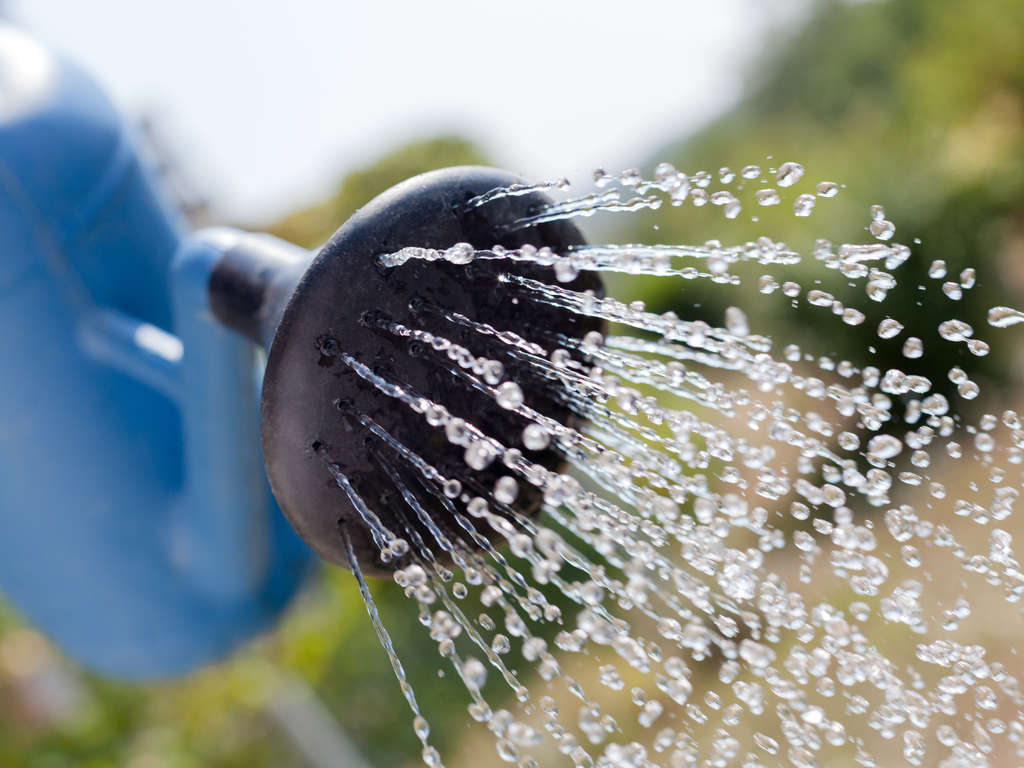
column 251, row 282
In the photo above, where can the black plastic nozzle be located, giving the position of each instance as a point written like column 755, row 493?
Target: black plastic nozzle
column 315, row 408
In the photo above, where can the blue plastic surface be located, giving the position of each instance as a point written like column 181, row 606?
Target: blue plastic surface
column 137, row 528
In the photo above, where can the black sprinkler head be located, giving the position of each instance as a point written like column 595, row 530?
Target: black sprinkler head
column 317, row 410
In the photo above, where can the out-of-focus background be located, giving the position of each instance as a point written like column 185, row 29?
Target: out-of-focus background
column 289, row 116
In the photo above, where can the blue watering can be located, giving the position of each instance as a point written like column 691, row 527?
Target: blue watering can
column 137, row 528
column 139, row 426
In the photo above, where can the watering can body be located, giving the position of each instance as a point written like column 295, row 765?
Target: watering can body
column 137, row 528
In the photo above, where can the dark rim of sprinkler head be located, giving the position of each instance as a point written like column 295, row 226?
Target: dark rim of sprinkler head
column 317, row 411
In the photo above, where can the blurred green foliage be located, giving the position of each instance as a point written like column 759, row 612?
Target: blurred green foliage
column 917, row 103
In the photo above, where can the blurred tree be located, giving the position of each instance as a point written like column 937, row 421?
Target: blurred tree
column 918, row 104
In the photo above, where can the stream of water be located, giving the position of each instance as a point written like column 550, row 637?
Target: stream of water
column 776, row 556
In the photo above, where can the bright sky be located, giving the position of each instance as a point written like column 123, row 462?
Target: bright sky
column 271, row 100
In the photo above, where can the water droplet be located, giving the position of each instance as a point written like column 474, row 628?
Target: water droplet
column 882, row 229
column 649, row 712
column 474, row 673
column 1004, row 317
column 820, row 298
column 889, row 328
column 535, row 437
column 853, row 316
column 913, row 347
column 566, row 271
column 789, row 174
column 803, row 205
column 479, row 455
column 460, row 253
column 828, row 189
column 968, row 390
column 953, row 290
column 755, row 654
column 664, row 171
column 766, row 284
column 955, row 330
column 509, row 395
column 884, row 446
column 767, row 743
column 977, row 347
column 736, row 321
column 506, row 489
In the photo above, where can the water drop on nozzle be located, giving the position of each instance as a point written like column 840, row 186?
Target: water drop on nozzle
column 565, row 270
column 535, row 437
column 506, row 489
column 460, row 253
column 479, row 455
column 509, row 395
